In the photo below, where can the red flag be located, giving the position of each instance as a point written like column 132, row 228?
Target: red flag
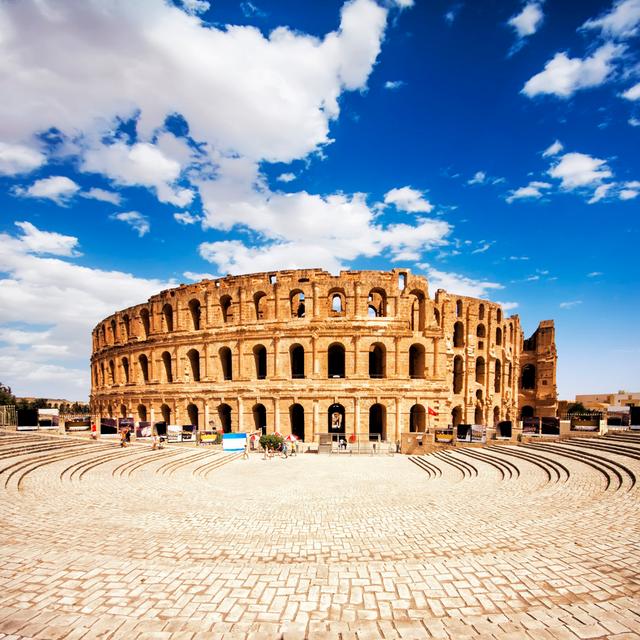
column 432, row 412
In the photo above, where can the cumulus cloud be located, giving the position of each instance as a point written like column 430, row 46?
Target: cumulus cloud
column 633, row 93
column 136, row 220
column 60, row 189
column 600, row 193
column 184, row 217
column 478, row 178
column 576, row 170
column 67, row 297
column 457, row 283
column 534, row 190
column 196, row 6
column 563, row 76
column 408, row 199
column 553, row 149
column 528, row 21
column 394, row 84
column 630, row 190
column 196, row 277
column 286, row 177
column 18, row 158
column 103, row 195
column 623, row 21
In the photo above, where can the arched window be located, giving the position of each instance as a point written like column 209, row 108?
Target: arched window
column 260, row 358
column 142, row 413
column 480, row 371
column 417, row 419
column 336, row 418
column 377, row 360
column 459, row 309
column 496, row 416
column 498, row 375
column 194, row 362
column 510, row 333
column 127, row 326
column 125, row 369
column 436, row 317
column 527, row 412
column 377, row 422
column 196, row 313
column 478, row 417
column 335, row 361
column 165, row 410
column 224, row 415
column 259, row 413
column 456, row 416
column 104, row 382
column 167, row 315
column 417, row 310
column 499, row 315
column 296, row 359
column 458, row 374
column 114, row 336
column 296, row 419
column 226, row 363
column 481, row 332
column 338, row 303
column 194, row 414
column 481, row 312
column 377, row 303
column 112, row 372
column 225, row 307
column 416, row 361
column 166, row 361
column 528, row 377
column 296, row 302
column 458, row 334
column 143, row 361
column 144, row 319
column 498, row 336
column 103, row 335
column 123, row 411
column 509, row 374
column 260, row 304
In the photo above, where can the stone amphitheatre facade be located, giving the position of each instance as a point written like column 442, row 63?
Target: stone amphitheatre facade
column 305, row 352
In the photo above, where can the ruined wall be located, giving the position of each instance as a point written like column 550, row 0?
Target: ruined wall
column 266, row 348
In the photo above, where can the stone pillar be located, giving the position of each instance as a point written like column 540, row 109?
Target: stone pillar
column 152, row 415
column 436, row 357
column 316, row 422
column 276, row 414
column 240, row 414
column 276, row 300
column 240, row 315
column 355, row 342
column 315, row 300
column 238, row 373
column 356, row 299
column 356, row 415
column 276, row 347
column 315, row 370
column 396, row 363
column 399, row 424
column 205, row 427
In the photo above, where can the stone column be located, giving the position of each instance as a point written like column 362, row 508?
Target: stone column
column 356, row 299
column 237, row 371
column 315, row 300
column 436, row 357
column 240, row 414
column 276, row 347
column 276, row 300
column 396, row 344
column 356, row 415
column 316, row 425
column 356, row 354
column 276, row 414
column 315, row 370
column 240, row 319
column 399, row 425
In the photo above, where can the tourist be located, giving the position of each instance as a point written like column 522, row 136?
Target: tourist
column 154, row 437
column 245, row 454
column 123, row 437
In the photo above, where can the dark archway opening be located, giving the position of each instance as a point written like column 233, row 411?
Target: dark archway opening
column 224, row 414
column 417, row 419
column 296, row 356
column 260, row 357
column 335, row 357
column 336, row 419
column 296, row 417
column 377, row 361
column 260, row 418
column 377, row 422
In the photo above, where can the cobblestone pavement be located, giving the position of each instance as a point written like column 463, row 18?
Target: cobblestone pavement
column 537, row 542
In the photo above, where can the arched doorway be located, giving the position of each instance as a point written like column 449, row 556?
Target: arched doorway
column 259, row 412
column 377, row 361
column 377, row 422
column 166, row 413
column 526, row 411
column 296, row 418
column 478, row 417
column 417, row 419
column 224, row 414
column 296, row 358
column 335, row 361
column 260, row 357
column 528, row 377
column 142, row 413
column 336, row 419
column 456, row 416
column 193, row 413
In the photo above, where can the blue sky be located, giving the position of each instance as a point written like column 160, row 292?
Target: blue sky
column 491, row 146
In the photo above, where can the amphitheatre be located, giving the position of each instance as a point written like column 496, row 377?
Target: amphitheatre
column 520, row 536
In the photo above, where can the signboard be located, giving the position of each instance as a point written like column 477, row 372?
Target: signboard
column 478, row 433
column 550, row 426
column 464, row 433
column 143, row 430
column 188, row 433
column 208, row 437
column 585, row 424
column 530, row 425
column 444, row 435
column 48, row 418
column 234, row 441
column 108, row 426
column 174, row 433
column 77, row 424
column 125, row 423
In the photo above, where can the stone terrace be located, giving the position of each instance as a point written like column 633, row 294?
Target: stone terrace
column 501, row 542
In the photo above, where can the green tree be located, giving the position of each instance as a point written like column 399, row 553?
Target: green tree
column 6, row 397
column 271, row 441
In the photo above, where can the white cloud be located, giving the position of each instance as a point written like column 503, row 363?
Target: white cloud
column 600, row 193
column 518, row 257
column 103, row 195
column 533, row 190
column 527, row 22
column 563, row 76
column 484, row 246
column 47, row 242
column 478, row 178
column 404, row 4
column 508, row 306
column 394, row 84
column 286, row 177
column 184, row 217
column 553, row 149
column 452, row 14
column 196, row 6
column 21, row 337
column 594, row 274
column 576, row 170
column 457, row 283
column 60, row 189
column 196, row 277
column 69, row 298
column 18, row 158
column 629, row 194
column 569, row 304
column 633, row 93
column 134, row 219
column 623, row 21
column 408, row 199
column 634, row 122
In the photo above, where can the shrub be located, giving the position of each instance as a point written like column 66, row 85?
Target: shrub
column 271, row 440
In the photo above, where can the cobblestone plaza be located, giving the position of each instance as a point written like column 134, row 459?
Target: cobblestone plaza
column 501, row 542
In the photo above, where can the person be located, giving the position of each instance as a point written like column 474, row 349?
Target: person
column 94, row 431
column 154, row 437
column 123, row 437
column 285, row 449
column 245, row 455
column 127, row 435
column 397, row 446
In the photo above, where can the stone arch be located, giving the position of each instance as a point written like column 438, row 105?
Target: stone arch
column 226, row 309
column 125, row 369
column 104, row 382
column 377, row 360
column 168, row 371
column 296, row 360
column 124, row 411
column 126, row 322
column 496, row 415
column 225, row 415
column 417, row 310
column 165, row 410
column 260, row 305
column 145, row 321
column 416, row 361
column 498, row 336
column 417, row 419
column 527, row 411
column 456, row 416
column 336, row 418
column 194, row 414
column 112, row 372
column 499, row 315
column 436, row 316
column 103, row 334
column 478, row 418
column 377, row 303
column 481, row 331
column 167, row 316
column 458, row 334
column 498, row 379
column 142, row 413
column 377, row 421
column 296, row 420
column 480, row 370
column 195, row 309
column 459, row 309
column 194, row 362
column 336, row 360
column 260, row 360
column 114, row 333
column 259, row 413
column 143, row 362
column 297, row 303
column 528, row 377
column 458, row 374
column 226, row 363
column 481, row 312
